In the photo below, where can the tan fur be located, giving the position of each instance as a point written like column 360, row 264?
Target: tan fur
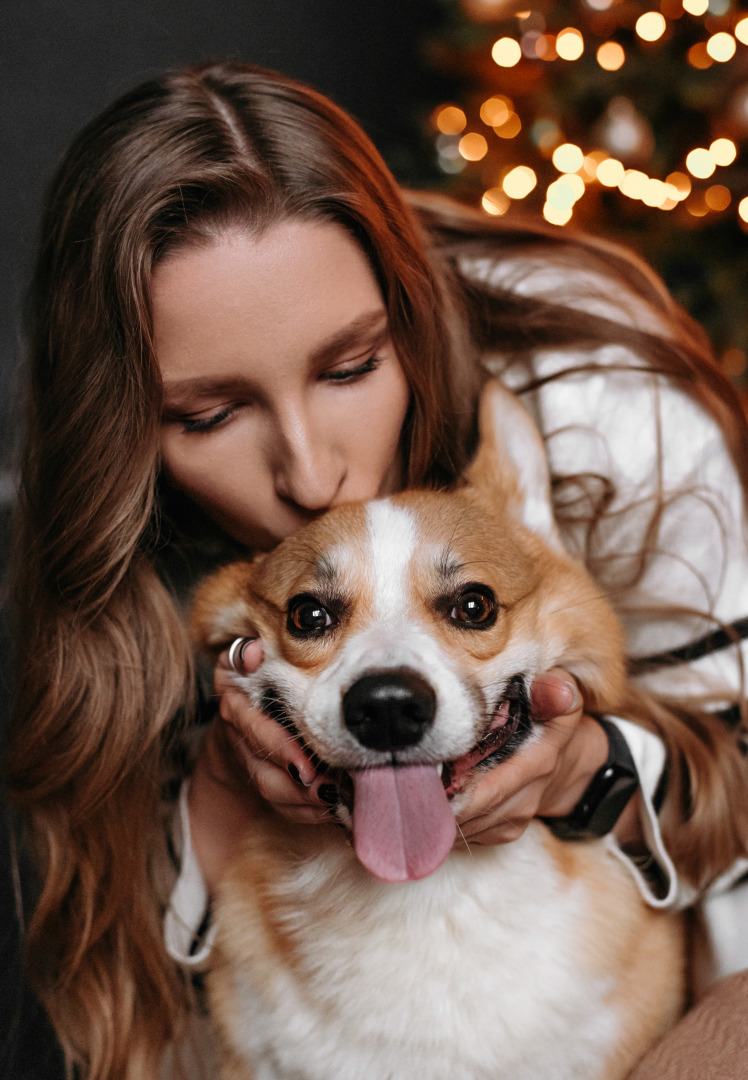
column 496, row 531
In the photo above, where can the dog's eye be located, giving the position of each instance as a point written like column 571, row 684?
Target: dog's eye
column 475, row 609
column 307, row 617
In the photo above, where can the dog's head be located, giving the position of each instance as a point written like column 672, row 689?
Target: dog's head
column 401, row 636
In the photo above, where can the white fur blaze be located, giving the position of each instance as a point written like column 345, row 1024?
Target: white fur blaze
column 391, row 546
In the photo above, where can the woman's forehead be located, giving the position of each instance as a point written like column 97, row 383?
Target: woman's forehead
column 300, row 286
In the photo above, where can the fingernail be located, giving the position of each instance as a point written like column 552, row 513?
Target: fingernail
column 328, row 794
column 296, row 776
column 573, row 695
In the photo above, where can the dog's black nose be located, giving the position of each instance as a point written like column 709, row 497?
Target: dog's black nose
column 389, row 710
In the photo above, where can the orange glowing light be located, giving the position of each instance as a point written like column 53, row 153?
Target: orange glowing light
column 650, row 26
column 569, row 44
column 473, row 146
column 450, row 120
column 506, row 52
column 610, row 56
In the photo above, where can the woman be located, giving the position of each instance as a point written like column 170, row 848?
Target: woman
column 236, row 323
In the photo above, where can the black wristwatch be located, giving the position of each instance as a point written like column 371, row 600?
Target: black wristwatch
column 606, row 796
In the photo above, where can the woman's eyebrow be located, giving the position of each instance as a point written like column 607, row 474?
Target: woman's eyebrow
column 355, row 333
column 372, row 322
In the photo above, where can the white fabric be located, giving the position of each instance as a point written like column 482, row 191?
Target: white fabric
column 614, row 424
column 188, row 904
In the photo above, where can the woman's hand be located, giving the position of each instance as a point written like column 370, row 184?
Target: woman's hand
column 246, row 757
column 547, row 776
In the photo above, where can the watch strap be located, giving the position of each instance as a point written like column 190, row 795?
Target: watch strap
column 609, row 790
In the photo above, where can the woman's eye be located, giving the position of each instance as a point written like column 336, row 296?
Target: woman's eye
column 475, row 609
column 307, row 617
column 344, row 374
column 204, row 423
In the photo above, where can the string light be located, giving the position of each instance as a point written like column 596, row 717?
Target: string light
column 622, row 129
column 723, row 151
column 721, row 47
column 557, row 215
column 610, row 56
column 610, row 172
column 568, row 158
column 569, row 44
column 495, row 202
column 700, row 163
column 680, row 185
column 450, row 120
column 717, row 197
column 506, row 52
column 496, row 110
column 519, row 182
column 473, row 147
column 650, row 26
column 699, row 57
column 633, row 183
column 510, row 128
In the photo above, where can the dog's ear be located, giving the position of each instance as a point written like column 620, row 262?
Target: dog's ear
column 510, row 466
column 221, row 608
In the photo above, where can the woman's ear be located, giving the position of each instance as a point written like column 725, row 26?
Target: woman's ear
column 510, row 466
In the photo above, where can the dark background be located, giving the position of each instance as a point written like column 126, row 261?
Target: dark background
column 60, row 63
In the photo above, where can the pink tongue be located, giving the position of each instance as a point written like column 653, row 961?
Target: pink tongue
column 403, row 826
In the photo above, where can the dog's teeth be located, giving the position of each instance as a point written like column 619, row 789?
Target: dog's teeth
column 440, row 768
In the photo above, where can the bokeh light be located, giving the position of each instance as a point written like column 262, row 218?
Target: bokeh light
column 680, row 183
column 506, row 52
column 610, row 56
column 700, row 163
column 450, row 120
column 633, row 183
column 696, row 7
column 495, row 202
column 473, row 146
column 699, row 57
column 496, row 110
column 519, row 182
column 717, row 197
column 650, row 26
column 568, row 158
column 569, row 44
column 721, row 47
column 723, row 151
column 610, row 172
column 510, row 128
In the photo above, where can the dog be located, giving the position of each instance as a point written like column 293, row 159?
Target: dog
column 401, row 637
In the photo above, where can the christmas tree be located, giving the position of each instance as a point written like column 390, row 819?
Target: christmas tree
column 627, row 121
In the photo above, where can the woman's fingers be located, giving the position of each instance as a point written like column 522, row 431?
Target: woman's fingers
column 547, row 776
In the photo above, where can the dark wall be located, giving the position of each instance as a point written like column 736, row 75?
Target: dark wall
column 61, row 62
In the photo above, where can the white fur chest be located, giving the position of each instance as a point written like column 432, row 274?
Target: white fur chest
column 467, row 974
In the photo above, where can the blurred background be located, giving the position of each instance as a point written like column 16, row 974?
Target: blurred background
column 627, row 119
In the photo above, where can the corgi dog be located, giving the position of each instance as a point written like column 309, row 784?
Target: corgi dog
column 400, row 638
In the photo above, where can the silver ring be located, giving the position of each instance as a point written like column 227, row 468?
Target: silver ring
column 236, row 653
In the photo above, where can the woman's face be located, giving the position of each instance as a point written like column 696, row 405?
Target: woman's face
column 283, row 394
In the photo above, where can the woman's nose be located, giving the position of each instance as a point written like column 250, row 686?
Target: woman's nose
column 309, row 471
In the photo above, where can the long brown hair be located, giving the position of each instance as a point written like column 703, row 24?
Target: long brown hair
column 106, row 674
